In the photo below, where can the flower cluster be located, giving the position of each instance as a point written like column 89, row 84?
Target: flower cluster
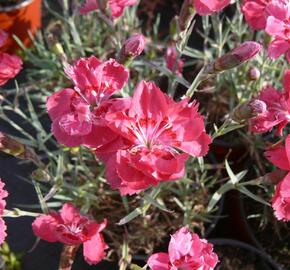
column 274, row 17
column 143, row 140
column 142, row 136
column 185, row 251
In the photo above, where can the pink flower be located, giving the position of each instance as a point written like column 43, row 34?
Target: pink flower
column 281, row 200
column 3, row 195
column 278, row 26
column 117, row 6
column 3, row 37
column 207, row 7
column 185, row 251
column 71, row 228
column 280, row 157
column 160, row 134
column 77, row 114
column 170, row 58
column 255, row 13
column 88, row 6
column 10, row 65
column 278, row 47
column 277, row 111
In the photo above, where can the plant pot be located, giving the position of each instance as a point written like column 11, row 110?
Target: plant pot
column 234, row 254
column 19, row 20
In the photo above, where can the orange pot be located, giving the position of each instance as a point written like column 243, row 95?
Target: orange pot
column 19, row 20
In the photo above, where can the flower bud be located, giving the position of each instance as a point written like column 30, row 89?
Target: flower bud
column 186, row 14
column 247, row 110
column 132, row 48
column 53, row 33
column 40, row 175
column 17, row 149
column 11, row 146
column 275, row 177
column 235, row 57
column 258, row 106
column 254, row 74
column 174, row 29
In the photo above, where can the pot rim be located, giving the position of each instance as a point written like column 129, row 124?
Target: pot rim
column 15, row 7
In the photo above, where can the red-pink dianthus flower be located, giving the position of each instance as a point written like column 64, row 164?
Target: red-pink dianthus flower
column 280, row 157
column 116, row 6
column 10, row 65
column 185, row 251
column 255, row 13
column 3, row 195
column 160, row 134
column 77, row 113
column 281, row 200
column 71, row 228
column 207, row 7
column 277, row 111
column 278, row 26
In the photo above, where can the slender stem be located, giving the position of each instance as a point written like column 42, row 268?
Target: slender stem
column 67, row 257
column 19, row 213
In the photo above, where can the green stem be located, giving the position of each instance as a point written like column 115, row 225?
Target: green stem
column 19, row 213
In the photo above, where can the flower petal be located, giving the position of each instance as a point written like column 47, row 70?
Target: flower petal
column 44, row 227
column 159, row 261
column 278, row 157
column 94, row 249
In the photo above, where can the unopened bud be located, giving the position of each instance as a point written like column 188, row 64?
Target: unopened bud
column 10, row 146
column 273, row 178
column 17, row 149
column 59, row 52
column 40, row 175
column 135, row 45
column 132, row 48
column 174, row 29
column 258, row 106
column 54, row 32
column 235, row 57
column 247, row 110
column 186, row 14
column 254, row 74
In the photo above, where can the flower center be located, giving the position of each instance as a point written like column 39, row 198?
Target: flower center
column 152, row 134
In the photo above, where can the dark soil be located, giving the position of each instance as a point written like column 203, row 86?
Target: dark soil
column 272, row 235
column 237, row 258
column 233, row 258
